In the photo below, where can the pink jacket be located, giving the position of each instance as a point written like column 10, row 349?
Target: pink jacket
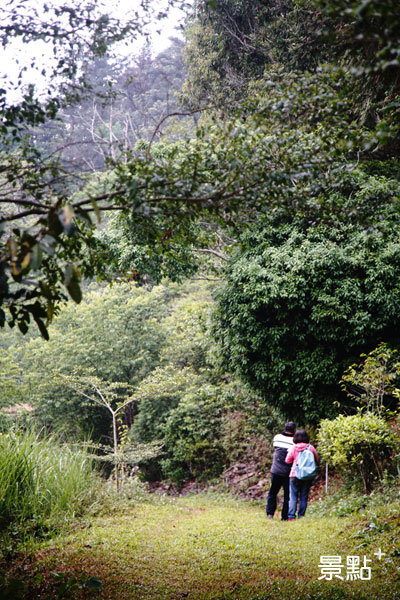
column 293, row 456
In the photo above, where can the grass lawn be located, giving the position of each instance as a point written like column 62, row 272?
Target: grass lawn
column 205, row 547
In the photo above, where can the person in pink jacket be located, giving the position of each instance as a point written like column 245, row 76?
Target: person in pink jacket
column 299, row 488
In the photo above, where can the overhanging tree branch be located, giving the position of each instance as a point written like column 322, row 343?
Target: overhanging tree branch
column 173, row 114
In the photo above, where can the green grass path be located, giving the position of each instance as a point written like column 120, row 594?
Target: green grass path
column 203, row 548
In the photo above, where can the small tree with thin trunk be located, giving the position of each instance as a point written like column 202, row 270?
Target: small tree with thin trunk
column 114, row 396
column 375, row 379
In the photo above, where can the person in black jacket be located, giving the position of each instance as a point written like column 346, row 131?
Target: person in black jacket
column 280, row 471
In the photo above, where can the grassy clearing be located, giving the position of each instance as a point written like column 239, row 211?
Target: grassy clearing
column 205, row 547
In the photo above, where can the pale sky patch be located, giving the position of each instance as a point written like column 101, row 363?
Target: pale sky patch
column 18, row 54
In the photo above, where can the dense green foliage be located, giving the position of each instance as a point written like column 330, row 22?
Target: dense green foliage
column 233, row 44
column 192, row 431
column 233, row 47
column 152, row 359
column 361, row 445
column 115, row 334
column 291, row 142
column 290, row 179
column 300, row 303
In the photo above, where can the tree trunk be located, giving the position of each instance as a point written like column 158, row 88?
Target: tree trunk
column 115, row 434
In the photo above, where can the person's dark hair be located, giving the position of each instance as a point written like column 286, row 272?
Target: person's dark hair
column 290, row 427
column 301, row 436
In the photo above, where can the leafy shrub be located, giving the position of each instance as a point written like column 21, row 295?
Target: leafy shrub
column 191, row 436
column 343, row 503
column 350, row 505
column 360, row 444
column 234, row 435
column 373, row 382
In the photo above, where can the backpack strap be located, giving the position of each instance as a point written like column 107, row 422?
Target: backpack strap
column 306, row 448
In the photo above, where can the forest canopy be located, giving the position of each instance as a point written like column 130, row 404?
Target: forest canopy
column 199, row 259
column 262, row 152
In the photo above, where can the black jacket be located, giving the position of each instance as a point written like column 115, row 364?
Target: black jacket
column 282, row 443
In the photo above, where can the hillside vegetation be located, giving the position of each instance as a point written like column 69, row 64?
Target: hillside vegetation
column 196, row 247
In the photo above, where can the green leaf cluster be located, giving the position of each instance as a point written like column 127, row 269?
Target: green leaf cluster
column 301, row 302
column 192, row 436
column 374, row 382
column 361, row 445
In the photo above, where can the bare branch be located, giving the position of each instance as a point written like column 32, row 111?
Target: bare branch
column 90, row 397
column 26, row 213
column 173, row 114
column 210, row 251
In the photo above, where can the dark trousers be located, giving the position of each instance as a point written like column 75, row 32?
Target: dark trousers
column 298, row 492
column 278, row 481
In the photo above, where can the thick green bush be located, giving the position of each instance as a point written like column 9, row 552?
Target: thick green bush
column 192, row 436
column 361, row 445
column 299, row 304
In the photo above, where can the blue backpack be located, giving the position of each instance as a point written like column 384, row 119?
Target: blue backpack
column 306, row 466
